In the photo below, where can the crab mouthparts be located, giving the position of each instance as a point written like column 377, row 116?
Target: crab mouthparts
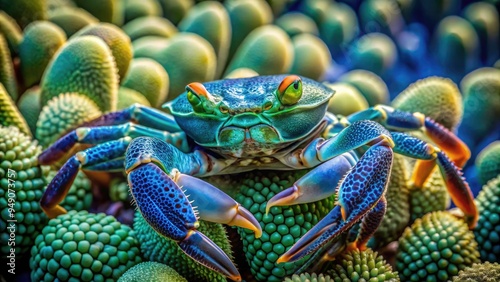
column 260, row 134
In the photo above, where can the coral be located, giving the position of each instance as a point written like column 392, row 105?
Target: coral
column 71, row 19
column 63, row 113
column 295, row 23
column 241, row 73
column 83, row 246
column 488, row 162
column 119, row 190
column 79, row 195
column 7, row 75
column 370, row 85
column 487, row 231
column 109, row 11
column 479, row 272
column 307, row 277
column 375, row 52
column 156, row 247
column 154, row 271
column 435, row 97
column 21, row 174
column 149, row 78
column 29, row 107
column 117, row 41
column 266, row 50
column 41, row 41
column 127, row 97
column 149, row 26
column 397, row 215
column 211, row 21
column 339, row 27
column 11, row 31
column 186, row 57
column 484, row 18
column 134, row 9
column 383, row 16
column 362, row 266
column 25, row 11
column 175, row 10
column 281, row 227
column 84, row 65
column 311, row 56
column 433, row 196
column 9, row 114
column 346, row 100
column 435, row 248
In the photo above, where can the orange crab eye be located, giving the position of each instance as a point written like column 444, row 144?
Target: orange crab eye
column 290, row 90
column 197, row 94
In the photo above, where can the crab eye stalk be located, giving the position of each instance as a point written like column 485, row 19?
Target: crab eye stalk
column 199, row 97
column 290, row 90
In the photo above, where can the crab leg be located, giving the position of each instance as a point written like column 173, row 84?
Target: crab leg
column 100, row 134
column 58, row 188
column 359, row 192
column 157, row 173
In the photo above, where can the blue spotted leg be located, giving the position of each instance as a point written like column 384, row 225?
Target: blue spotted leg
column 169, row 198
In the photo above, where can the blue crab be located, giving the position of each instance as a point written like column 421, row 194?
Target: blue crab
column 266, row 122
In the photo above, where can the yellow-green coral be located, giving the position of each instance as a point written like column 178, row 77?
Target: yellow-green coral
column 117, row 41
column 362, row 266
column 84, row 65
column 71, row 19
column 435, row 248
column 307, row 277
column 294, row 23
column 105, row 10
column 149, row 26
column 339, row 27
column 158, row 248
column 7, row 76
column 370, row 85
column 267, row 50
column 127, row 97
column 9, row 114
column 435, row 97
column 375, row 52
column 433, row 196
column 346, row 100
column 29, row 106
column 11, row 31
column 186, row 57
column 149, row 78
column 175, row 10
column 487, row 231
column 488, row 162
column 479, row 272
column 41, row 41
column 84, row 246
column 484, row 18
column 154, row 271
column 63, row 113
column 21, row 174
column 25, row 11
column 211, row 21
column 134, row 9
column 311, row 56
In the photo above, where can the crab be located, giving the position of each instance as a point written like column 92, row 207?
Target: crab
column 277, row 122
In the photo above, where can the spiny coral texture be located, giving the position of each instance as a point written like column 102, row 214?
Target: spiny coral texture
column 155, row 247
column 117, row 41
column 397, row 215
column 488, row 162
column 79, row 196
column 9, row 114
column 63, row 113
column 151, row 272
column 479, row 272
column 487, row 231
column 281, row 227
column 41, row 41
column 19, row 168
column 435, row 248
column 84, row 65
column 83, row 246
column 436, row 97
column 433, row 196
column 362, row 266
column 306, row 277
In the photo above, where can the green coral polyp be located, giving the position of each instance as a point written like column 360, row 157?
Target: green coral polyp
column 362, row 266
column 83, row 246
column 479, row 272
column 281, row 227
column 154, row 271
column 435, row 248
column 19, row 163
column 79, row 196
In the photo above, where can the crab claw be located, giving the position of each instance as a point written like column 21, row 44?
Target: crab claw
column 216, row 206
column 166, row 208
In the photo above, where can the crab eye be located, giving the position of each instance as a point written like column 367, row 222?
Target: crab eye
column 223, row 109
column 196, row 95
column 290, row 90
column 267, row 105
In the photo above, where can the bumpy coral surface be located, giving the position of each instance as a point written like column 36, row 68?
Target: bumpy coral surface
column 435, row 248
column 488, row 162
column 153, row 272
column 487, row 231
column 306, row 277
column 22, row 182
column 479, row 272
column 85, row 247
